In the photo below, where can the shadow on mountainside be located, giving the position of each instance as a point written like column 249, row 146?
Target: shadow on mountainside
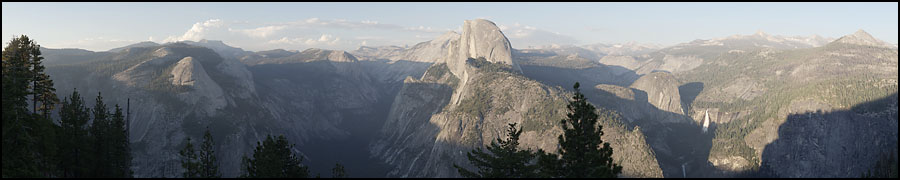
column 356, row 103
column 563, row 77
column 407, row 138
column 351, row 151
column 842, row 143
column 675, row 144
column 689, row 92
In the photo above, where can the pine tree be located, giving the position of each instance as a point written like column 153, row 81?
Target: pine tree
column 19, row 150
column 29, row 148
column 43, row 100
column 549, row 164
column 42, row 90
column 47, row 97
column 189, row 161
column 504, row 161
column 102, row 147
column 273, row 159
column 583, row 153
column 121, row 154
column 338, row 171
column 73, row 138
column 209, row 165
column 47, row 145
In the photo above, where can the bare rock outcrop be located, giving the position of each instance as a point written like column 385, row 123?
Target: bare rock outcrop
column 203, row 91
column 861, row 37
column 662, row 92
column 480, row 38
column 457, row 106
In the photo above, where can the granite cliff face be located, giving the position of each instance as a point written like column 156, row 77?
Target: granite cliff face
column 436, row 132
column 177, row 90
column 661, row 89
column 317, row 96
column 433, row 102
column 752, row 94
column 480, row 38
column 426, row 133
column 836, row 143
column 189, row 73
column 436, row 119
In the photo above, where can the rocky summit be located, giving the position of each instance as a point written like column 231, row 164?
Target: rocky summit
column 861, row 37
column 416, row 96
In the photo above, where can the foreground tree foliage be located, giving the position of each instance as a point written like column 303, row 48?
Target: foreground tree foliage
column 338, row 171
column 273, row 159
column 28, row 137
column 73, row 153
column 505, row 160
column 582, row 154
column 209, row 164
column 34, row 145
column 101, row 139
column 189, row 162
column 121, row 147
column 112, row 153
column 202, row 164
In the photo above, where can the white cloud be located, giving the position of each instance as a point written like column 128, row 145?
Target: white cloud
column 597, row 29
column 420, row 36
column 341, row 23
column 312, row 20
column 370, row 22
column 198, row 31
column 324, row 39
column 524, row 36
column 309, row 32
column 370, row 37
column 283, row 40
column 260, row 32
column 421, row 29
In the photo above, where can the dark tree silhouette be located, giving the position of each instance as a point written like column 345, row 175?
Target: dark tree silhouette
column 583, row 153
column 189, row 161
column 273, row 159
column 505, row 160
column 209, row 164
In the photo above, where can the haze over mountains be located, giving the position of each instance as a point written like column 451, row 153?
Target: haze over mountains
column 391, row 111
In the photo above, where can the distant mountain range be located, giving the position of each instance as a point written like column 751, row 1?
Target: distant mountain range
column 391, row 111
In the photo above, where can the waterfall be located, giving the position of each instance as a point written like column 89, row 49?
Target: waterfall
column 706, row 121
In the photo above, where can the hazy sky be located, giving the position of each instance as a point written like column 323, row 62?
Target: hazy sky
column 348, row 25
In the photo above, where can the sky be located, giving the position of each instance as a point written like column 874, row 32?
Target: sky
column 101, row 26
